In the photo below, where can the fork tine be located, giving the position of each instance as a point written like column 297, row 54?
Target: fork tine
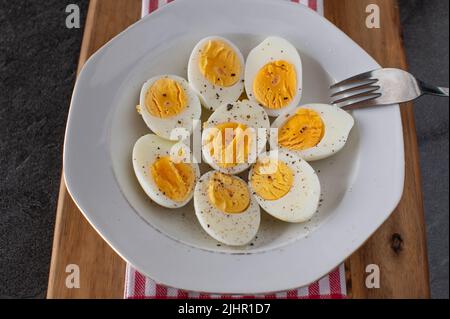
column 367, row 76
column 374, row 101
column 356, row 100
column 354, row 94
column 368, row 88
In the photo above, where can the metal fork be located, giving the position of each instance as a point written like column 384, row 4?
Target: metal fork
column 380, row 87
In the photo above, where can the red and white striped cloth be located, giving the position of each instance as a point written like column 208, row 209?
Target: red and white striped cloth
column 137, row 286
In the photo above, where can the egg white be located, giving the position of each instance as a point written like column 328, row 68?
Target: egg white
column 247, row 113
column 165, row 126
column 273, row 49
column 302, row 200
column 230, row 229
column 213, row 96
column 145, row 152
column 338, row 124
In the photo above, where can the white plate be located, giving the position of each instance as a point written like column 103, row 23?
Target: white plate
column 361, row 185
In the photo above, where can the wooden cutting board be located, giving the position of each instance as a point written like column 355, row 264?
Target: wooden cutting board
column 398, row 247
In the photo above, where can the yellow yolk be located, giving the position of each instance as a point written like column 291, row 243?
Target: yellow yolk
column 174, row 180
column 165, row 98
column 303, row 130
column 228, row 194
column 229, row 144
column 275, row 85
column 271, row 180
column 219, row 63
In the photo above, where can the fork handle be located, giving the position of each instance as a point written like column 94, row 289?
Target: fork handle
column 433, row 90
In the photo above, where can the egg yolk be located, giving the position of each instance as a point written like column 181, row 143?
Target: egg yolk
column 228, row 194
column 303, row 130
column 229, row 144
column 271, row 180
column 275, row 84
column 219, row 63
column 174, row 180
column 165, row 98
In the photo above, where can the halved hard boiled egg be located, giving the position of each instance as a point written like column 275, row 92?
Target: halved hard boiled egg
column 313, row 131
column 164, row 171
column 234, row 135
column 216, row 72
column 273, row 76
column 167, row 102
column 285, row 186
column 226, row 209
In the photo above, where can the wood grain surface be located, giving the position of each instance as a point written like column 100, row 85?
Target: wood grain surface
column 398, row 247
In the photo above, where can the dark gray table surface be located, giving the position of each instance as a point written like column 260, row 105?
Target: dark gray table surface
column 38, row 60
